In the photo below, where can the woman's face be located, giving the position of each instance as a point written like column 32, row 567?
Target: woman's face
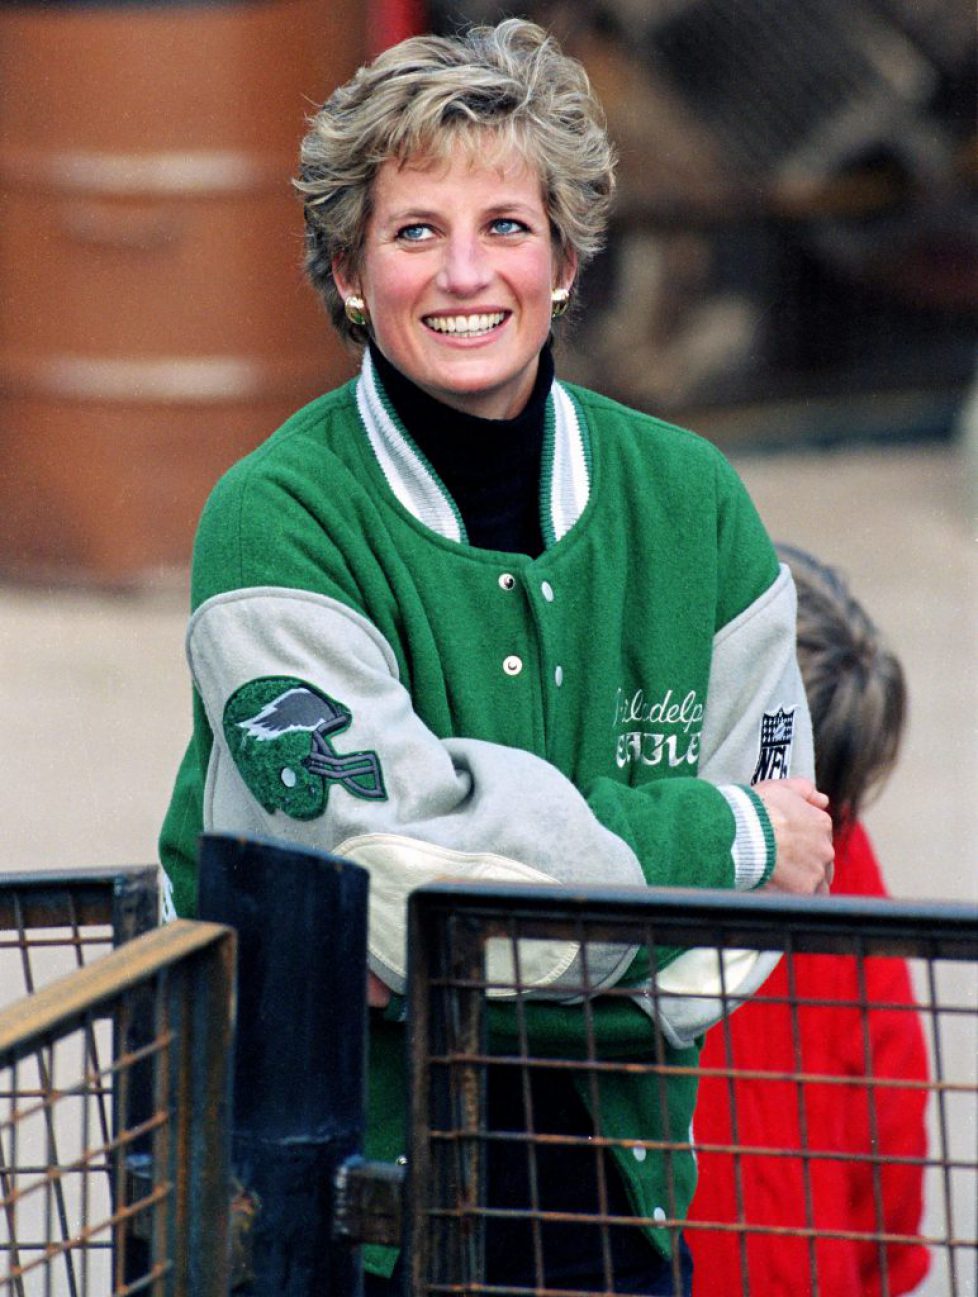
column 457, row 273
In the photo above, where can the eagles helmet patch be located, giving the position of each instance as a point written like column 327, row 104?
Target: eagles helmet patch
column 774, row 757
column 280, row 733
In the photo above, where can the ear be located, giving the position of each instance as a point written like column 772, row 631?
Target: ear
column 346, row 284
column 566, row 270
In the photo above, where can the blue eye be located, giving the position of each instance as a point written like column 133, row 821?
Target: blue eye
column 414, row 233
column 508, row 225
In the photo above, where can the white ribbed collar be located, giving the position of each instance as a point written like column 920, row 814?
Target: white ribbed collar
column 565, row 479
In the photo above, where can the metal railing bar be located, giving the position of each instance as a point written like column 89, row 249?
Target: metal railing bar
column 31, row 1092
column 39, row 1168
column 595, row 1112
column 45, row 1070
column 650, row 1222
column 852, row 1236
column 151, row 1278
column 12, row 1213
column 53, row 1250
column 60, row 943
column 582, row 991
column 802, row 1118
column 734, row 1109
column 685, row 1146
column 652, row 1068
column 117, row 1181
column 868, row 1064
column 624, row 992
column 62, row 1004
column 91, row 1041
column 527, row 1093
column 942, row 1122
column 49, row 1099
column 87, row 1161
column 92, row 1244
column 42, row 894
column 690, row 917
column 6, row 1179
column 87, row 1172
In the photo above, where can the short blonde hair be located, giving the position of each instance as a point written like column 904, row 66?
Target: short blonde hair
column 417, row 100
column 854, row 684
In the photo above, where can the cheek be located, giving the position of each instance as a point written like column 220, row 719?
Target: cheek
column 388, row 284
column 539, row 279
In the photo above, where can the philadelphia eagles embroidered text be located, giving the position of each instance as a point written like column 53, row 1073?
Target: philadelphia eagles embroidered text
column 279, row 731
column 657, row 731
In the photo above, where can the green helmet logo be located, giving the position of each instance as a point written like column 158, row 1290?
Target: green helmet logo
column 279, row 731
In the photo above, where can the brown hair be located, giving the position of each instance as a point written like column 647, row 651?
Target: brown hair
column 855, row 686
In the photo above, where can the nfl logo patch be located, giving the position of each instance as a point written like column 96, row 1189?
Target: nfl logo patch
column 774, row 757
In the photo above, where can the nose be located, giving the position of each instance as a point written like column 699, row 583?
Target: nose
column 465, row 269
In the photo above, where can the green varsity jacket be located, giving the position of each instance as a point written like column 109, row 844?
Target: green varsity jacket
column 367, row 683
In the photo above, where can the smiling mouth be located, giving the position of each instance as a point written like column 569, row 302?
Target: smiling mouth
column 466, row 326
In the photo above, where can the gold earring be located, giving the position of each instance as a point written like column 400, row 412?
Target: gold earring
column 559, row 302
column 356, row 310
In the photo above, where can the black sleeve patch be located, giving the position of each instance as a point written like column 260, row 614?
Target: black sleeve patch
column 280, row 733
column 774, row 756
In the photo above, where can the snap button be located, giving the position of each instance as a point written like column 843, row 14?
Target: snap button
column 547, row 590
column 507, row 581
column 659, row 1215
column 559, row 677
column 513, row 665
column 640, row 1154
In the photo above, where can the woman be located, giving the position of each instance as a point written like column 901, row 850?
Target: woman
column 459, row 618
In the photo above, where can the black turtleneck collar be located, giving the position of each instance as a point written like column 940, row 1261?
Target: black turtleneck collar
column 490, row 467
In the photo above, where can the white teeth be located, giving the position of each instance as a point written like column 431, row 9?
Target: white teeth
column 467, row 324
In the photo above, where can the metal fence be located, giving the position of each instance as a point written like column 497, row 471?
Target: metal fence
column 52, row 923
column 115, row 1170
column 114, row 1121
column 482, row 1167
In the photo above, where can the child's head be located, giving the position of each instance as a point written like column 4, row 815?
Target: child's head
column 855, row 687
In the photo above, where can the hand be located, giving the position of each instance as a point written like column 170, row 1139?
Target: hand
column 804, row 862
column 378, row 995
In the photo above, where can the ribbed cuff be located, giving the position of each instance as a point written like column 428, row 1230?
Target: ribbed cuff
column 753, row 848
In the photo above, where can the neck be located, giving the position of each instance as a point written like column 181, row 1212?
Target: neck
column 490, row 467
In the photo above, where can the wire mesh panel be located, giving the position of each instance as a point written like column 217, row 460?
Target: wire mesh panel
column 551, row 1149
column 114, row 1123
column 52, row 923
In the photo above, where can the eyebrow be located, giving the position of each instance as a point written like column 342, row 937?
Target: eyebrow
column 418, row 215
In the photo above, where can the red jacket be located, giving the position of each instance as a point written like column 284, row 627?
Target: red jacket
column 838, row 1119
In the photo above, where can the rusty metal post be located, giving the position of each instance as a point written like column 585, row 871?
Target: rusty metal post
column 301, row 918
column 135, row 903
column 199, row 1011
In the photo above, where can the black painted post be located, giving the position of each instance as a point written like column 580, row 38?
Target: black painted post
column 301, row 919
